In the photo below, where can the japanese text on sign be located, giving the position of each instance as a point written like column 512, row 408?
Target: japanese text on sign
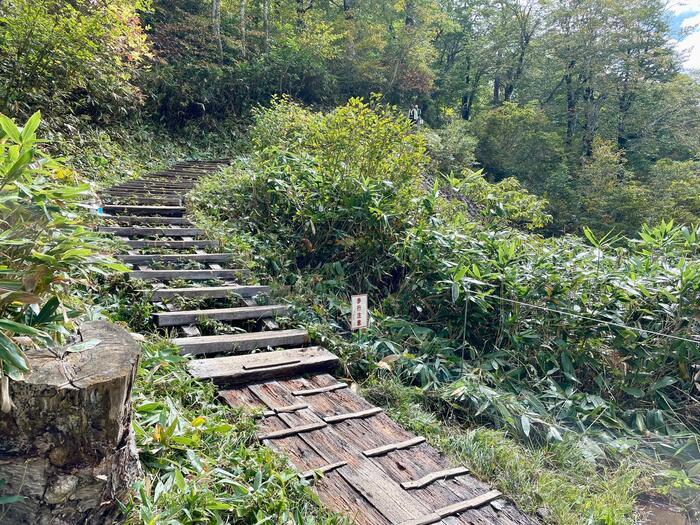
column 360, row 318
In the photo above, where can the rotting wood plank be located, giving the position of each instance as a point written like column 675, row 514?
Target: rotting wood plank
column 146, row 188
column 151, row 232
column 325, row 469
column 173, row 245
column 176, row 257
column 188, row 275
column 407, row 464
column 126, row 209
column 138, row 219
column 382, row 493
column 321, row 390
column 240, row 313
column 285, row 409
column 433, row 477
column 112, row 200
column 291, row 431
column 210, row 292
column 353, row 415
column 241, row 342
column 392, row 447
column 230, row 370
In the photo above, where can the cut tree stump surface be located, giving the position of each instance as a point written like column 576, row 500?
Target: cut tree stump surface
column 360, row 462
column 67, row 446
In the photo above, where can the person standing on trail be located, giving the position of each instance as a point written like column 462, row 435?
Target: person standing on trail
column 414, row 115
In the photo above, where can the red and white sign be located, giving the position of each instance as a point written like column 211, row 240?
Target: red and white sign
column 360, row 317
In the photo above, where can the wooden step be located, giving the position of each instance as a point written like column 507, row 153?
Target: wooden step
column 151, row 232
column 242, row 369
column 136, row 199
column 153, row 185
column 177, row 257
column 239, row 343
column 135, row 220
column 189, row 275
column 173, row 245
column 143, row 193
column 220, row 314
column 209, row 292
column 124, row 209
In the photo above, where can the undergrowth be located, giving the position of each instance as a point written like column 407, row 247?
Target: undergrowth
column 201, row 459
column 556, row 481
column 563, row 342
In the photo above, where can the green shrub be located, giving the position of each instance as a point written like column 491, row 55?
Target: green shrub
column 46, row 250
column 78, row 56
column 560, row 335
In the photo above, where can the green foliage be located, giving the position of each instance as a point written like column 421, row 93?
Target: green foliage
column 558, row 480
column 561, row 337
column 505, row 202
column 47, row 250
column 452, row 147
column 517, row 141
column 76, row 56
column 202, row 462
column 340, row 187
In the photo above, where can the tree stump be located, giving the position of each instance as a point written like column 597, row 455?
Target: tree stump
column 67, row 447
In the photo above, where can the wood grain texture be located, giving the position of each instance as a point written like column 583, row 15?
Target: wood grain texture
column 210, row 292
column 230, row 370
column 177, row 318
column 238, row 343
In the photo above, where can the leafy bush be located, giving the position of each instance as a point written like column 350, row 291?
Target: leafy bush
column 46, row 250
column 560, row 335
column 338, row 188
column 78, row 56
column 202, row 462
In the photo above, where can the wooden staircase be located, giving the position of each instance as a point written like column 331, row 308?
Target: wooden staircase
column 359, row 461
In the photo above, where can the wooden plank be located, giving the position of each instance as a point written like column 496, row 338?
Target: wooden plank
column 427, row 519
column 173, row 245
column 277, row 434
column 144, row 189
column 137, row 219
column 472, row 503
column 189, row 275
column 241, row 342
column 433, row 477
column 124, row 209
column 285, row 409
column 151, row 232
column 325, row 469
column 209, row 292
column 380, row 492
column 175, row 257
column 385, row 449
column 135, row 199
column 353, row 415
column 231, row 370
column 183, row 317
column 321, row 390
column 265, row 366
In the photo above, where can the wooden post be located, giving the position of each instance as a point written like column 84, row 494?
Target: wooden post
column 67, row 447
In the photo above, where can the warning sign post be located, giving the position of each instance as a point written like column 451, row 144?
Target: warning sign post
column 359, row 316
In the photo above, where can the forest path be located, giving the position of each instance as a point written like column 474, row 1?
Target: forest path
column 373, row 470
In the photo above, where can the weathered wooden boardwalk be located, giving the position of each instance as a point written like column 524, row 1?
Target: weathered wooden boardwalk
column 360, row 462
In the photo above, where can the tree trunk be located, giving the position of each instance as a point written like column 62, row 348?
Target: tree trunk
column 496, row 90
column 570, row 106
column 266, row 24
column 244, row 43
column 67, row 446
column 216, row 26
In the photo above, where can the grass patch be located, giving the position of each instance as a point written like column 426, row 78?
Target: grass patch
column 202, row 462
column 556, row 481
